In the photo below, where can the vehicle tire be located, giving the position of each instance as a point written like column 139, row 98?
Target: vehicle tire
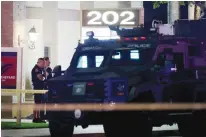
column 63, row 128
column 192, row 127
column 128, row 125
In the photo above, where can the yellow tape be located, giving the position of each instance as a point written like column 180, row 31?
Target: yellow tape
column 23, row 91
column 110, row 107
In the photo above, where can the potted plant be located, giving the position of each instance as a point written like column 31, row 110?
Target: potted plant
column 28, row 86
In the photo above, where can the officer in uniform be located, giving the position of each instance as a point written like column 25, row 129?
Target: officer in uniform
column 38, row 77
column 47, row 68
column 48, row 74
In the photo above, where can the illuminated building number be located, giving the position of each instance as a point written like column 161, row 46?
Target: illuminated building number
column 93, row 21
column 96, row 16
column 105, row 17
column 127, row 21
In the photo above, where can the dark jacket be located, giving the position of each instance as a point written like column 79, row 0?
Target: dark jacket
column 49, row 70
column 37, row 83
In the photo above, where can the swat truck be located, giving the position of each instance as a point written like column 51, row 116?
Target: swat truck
column 143, row 66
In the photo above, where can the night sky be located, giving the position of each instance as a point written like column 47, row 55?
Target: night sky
column 160, row 13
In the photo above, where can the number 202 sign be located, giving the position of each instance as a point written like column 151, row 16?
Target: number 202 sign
column 110, row 17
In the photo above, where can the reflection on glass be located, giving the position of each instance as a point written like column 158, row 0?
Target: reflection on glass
column 99, row 60
column 116, row 56
column 134, row 54
column 82, row 63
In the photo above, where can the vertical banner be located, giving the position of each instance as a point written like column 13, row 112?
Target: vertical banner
column 11, row 70
column 8, row 70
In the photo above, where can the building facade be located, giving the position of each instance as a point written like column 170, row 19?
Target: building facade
column 59, row 26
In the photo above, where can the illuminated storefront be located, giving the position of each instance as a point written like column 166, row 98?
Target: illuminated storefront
column 98, row 22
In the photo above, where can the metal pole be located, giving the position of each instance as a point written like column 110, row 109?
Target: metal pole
column 18, row 120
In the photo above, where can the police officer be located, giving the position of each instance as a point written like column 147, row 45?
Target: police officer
column 47, row 68
column 38, row 77
column 48, row 74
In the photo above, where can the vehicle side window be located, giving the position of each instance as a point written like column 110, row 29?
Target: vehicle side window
column 98, row 60
column 134, row 54
column 116, row 56
column 194, row 51
column 82, row 62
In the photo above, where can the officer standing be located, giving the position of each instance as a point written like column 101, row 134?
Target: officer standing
column 38, row 77
column 47, row 68
column 48, row 74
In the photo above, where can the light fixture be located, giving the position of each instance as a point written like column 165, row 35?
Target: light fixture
column 32, row 38
column 90, row 34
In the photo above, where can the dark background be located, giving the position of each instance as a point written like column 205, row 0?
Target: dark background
column 160, row 13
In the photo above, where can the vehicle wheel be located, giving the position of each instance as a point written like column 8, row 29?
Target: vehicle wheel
column 192, row 127
column 63, row 128
column 127, row 125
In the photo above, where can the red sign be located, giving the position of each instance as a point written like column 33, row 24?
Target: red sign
column 8, row 70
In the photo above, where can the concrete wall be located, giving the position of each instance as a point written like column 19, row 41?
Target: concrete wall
column 68, row 36
column 6, row 23
column 58, row 24
column 60, row 27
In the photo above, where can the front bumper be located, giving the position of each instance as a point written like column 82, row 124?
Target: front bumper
column 80, row 117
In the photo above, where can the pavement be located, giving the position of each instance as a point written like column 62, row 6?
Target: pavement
column 44, row 132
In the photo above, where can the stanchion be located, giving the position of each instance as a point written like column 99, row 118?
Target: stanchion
column 18, row 120
column 18, row 93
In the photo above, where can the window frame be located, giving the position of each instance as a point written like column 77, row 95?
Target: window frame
column 103, row 53
column 137, row 51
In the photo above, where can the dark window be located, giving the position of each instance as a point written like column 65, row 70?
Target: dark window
column 92, row 59
column 128, row 57
column 194, row 51
column 46, row 51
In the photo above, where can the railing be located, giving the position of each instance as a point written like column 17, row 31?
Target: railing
column 18, row 93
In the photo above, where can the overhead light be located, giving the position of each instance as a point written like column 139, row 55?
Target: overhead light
column 32, row 34
column 32, row 30
column 32, row 38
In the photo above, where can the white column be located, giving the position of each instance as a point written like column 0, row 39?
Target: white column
column 19, row 17
column 173, row 11
column 19, row 23
column 191, row 11
column 50, row 29
column 137, row 4
column 105, row 4
column 68, row 36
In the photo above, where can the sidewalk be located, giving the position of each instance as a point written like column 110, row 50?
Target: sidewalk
column 77, row 130
column 44, row 132
column 164, row 127
column 14, row 120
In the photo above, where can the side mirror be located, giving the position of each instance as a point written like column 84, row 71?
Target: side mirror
column 57, row 70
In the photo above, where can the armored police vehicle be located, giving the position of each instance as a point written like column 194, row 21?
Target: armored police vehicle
column 140, row 67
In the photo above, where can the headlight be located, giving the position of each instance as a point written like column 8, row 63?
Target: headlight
column 112, row 103
column 77, row 113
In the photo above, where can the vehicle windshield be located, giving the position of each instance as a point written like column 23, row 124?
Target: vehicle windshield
column 91, row 59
